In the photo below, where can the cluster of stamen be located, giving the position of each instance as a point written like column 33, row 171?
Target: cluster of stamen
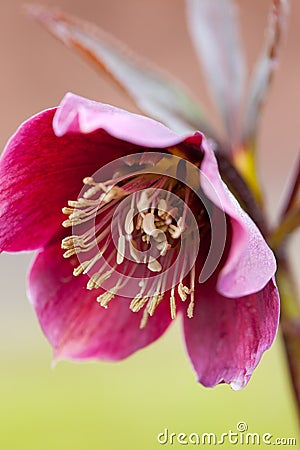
column 150, row 220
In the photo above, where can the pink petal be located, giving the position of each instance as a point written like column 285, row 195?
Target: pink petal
column 227, row 337
column 250, row 263
column 80, row 115
column 40, row 172
column 74, row 323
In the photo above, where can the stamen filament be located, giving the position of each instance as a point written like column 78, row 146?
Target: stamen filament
column 149, row 221
column 190, row 310
column 173, row 304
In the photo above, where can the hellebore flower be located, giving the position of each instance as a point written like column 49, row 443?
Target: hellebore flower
column 208, row 261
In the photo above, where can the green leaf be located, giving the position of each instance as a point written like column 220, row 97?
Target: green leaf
column 294, row 190
column 290, row 322
column 289, row 224
column 214, row 32
column 155, row 92
column 263, row 72
column 290, row 216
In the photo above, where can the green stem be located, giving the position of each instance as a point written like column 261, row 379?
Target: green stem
column 288, row 224
column 292, row 195
column 290, row 308
column 290, row 323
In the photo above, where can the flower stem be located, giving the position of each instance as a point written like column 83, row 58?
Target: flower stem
column 291, row 198
column 288, row 224
column 290, row 308
column 290, row 215
column 242, row 191
column 290, row 324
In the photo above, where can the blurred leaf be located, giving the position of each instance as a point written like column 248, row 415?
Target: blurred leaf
column 244, row 161
column 244, row 156
column 289, row 224
column 264, row 70
column 154, row 91
column 293, row 191
column 241, row 190
column 215, row 34
column 290, row 216
column 290, row 322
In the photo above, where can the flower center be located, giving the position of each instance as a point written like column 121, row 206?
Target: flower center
column 137, row 233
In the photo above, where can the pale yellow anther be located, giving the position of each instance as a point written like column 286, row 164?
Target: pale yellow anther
column 72, row 204
column 67, row 210
column 82, row 202
column 70, row 252
column 128, row 224
column 135, row 302
column 148, row 224
column 67, row 223
column 159, row 237
column 138, row 302
column 80, row 269
column 67, row 242
column 143, row 202
column 173, row 304
column 112, row 194
column 76, row 214
column 176, row 230
column 92, row 191
column 97, row 279
column 89, row 180
column 134, row 252
column 183, row 291
column 139, row 222
column 121, row 249
column 161, row 243
column 181, row 224
column 91, row 262
column 154, row 265
column 154, row 302
column 165, row 249
column 190, row 310
column 106, row 297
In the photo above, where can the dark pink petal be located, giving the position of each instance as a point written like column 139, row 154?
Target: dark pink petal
column 74, row 323
column 250, row 263
column 40, row 172
column 80, row 115
column 227, row 337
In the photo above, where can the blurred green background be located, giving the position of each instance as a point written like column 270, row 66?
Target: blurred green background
column 95, row 406
column 126, row 405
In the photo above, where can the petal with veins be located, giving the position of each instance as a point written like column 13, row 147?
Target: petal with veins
column 226, row 338
column 74, row 323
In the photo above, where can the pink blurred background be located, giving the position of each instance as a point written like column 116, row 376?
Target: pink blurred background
column 37, row 70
